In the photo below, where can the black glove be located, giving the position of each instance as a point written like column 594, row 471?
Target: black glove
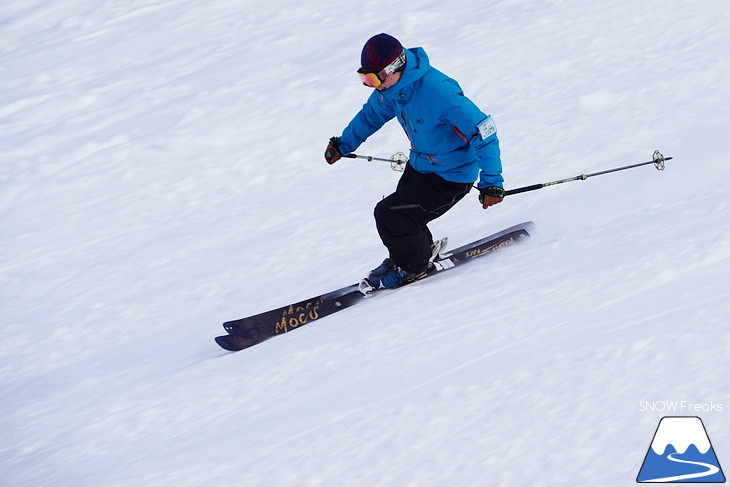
column 490, row 195
column 332, row 154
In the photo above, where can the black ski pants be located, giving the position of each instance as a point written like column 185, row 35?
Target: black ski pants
column 402, row 217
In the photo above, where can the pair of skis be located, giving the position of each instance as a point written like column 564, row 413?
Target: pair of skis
column 255, row 329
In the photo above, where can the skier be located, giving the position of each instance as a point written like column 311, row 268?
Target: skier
column 452, row 143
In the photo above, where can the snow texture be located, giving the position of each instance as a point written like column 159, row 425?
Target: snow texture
column 161, row 172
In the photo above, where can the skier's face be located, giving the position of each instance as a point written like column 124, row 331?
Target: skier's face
column 390, row 80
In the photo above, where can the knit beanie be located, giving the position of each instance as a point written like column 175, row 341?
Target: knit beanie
column 379, row 51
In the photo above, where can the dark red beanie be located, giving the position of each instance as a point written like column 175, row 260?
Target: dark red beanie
column 379, row 51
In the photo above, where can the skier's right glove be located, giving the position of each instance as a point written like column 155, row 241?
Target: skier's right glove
column 332, row 154
column 490, row 196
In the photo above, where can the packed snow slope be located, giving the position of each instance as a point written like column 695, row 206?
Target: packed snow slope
column 161, row 172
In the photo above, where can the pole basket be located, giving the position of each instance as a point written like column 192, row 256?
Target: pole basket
column 398, row 161
column 658, row 160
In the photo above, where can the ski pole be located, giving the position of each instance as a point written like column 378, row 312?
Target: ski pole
column 658, row 160
column 367, row 158
column 397, row 161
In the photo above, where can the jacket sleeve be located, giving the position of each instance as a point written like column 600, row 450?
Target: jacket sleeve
column 490, row 162
column 373, row 115
column 478, row 129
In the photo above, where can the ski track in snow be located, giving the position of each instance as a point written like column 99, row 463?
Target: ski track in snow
column 162, row 173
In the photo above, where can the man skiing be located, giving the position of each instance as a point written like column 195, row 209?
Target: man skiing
column 452, row 143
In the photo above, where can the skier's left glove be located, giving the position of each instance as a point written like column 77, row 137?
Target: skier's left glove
column 490, row 196
column 332, row 153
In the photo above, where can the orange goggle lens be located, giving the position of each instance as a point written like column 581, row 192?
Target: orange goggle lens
column 370, row 79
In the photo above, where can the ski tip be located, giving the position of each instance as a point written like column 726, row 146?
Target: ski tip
column 233, row 343
column 240, row 339
column 223, row 342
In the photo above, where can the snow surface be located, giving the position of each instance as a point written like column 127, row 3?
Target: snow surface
column 161, row 172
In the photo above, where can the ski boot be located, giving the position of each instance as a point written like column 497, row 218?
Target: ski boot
column 388, row 275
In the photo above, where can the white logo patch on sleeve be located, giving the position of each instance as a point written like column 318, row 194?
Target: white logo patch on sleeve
column 487, row 128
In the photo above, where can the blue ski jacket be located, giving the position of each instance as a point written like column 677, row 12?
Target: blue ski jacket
column 449, row 135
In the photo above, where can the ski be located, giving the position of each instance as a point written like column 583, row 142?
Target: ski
column 252, row 330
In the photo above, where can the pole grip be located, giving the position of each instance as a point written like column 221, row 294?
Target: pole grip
column 524, row 189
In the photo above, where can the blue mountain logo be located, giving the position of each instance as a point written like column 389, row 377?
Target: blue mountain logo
column 681, row 452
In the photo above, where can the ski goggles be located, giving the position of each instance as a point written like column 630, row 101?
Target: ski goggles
column 373, row 79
